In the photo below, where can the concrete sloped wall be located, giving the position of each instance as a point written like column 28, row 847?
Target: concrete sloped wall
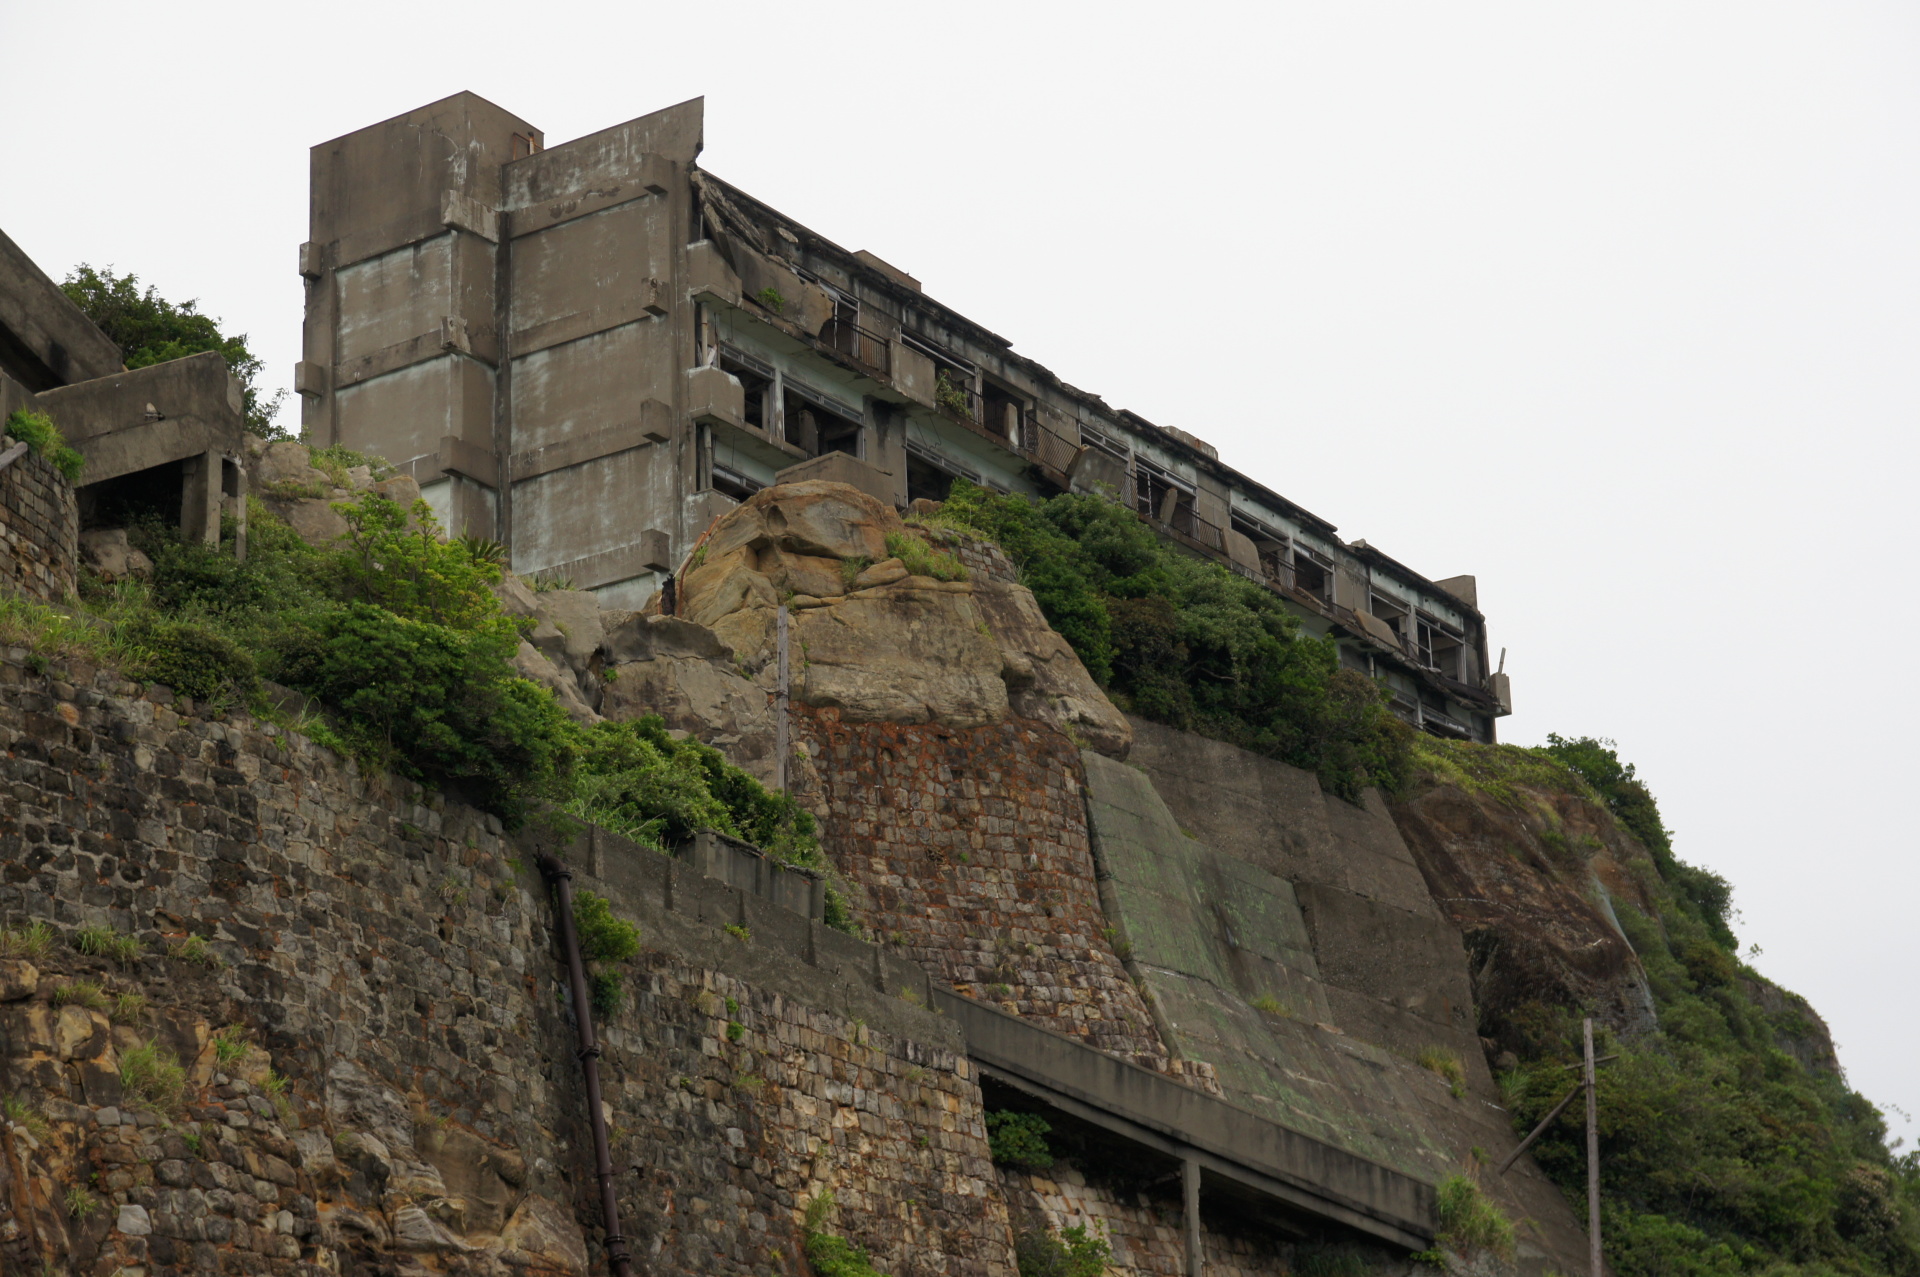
column 1288, row 939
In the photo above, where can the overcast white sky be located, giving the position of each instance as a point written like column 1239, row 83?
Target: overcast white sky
column 1614, row 305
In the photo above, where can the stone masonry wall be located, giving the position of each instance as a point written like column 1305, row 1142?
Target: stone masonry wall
column 970, row 848
column 401, row 1093
column 39, row 530
column 1146, row 1230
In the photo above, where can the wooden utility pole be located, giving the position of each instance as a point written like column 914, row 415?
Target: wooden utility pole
column 1593, row 1153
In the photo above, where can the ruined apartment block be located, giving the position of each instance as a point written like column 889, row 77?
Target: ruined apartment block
column 590, row 352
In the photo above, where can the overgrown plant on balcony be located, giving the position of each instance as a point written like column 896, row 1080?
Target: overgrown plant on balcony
column 1187, row 643
column 951, row 395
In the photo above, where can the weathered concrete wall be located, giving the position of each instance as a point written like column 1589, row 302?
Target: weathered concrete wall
column 39, row 530
column 390, row 953
column 1288, row 938
column 969, row 847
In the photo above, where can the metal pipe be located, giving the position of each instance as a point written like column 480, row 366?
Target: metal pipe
column 619, row 1262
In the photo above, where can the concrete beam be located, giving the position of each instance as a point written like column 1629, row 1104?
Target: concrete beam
column 133, row 421
column 653, row 425
column 45, row 340
column 1304, row 1173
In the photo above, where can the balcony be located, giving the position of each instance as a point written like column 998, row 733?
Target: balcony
column 867, row 349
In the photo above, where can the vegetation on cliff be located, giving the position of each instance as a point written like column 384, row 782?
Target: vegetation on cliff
column 1187, row 643
column 1728, row 1147
column 401, row 644
column 149, row 329
column 37, row 431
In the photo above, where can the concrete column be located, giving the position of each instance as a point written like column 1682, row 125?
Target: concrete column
column 234, row 485
column 200, row 498
column 1190, row 1187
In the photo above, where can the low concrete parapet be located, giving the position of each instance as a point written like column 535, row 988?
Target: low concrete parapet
column 1224, row 1140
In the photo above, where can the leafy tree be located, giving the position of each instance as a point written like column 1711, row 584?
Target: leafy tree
column 149, row 329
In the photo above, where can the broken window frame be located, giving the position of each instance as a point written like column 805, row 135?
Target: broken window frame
column 1164, row 496
column 1312, row 573
column 757, row 378
column 1274, row 548
column 1092, row 438
column 800, row 402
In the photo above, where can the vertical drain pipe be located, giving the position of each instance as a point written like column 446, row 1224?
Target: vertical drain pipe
column 619, row 1262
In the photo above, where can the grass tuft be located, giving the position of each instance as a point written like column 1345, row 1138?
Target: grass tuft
column 34, row 940
column 153, row 1077
column 1469, row 1223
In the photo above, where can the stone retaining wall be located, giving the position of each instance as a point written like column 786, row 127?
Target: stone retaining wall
column 39, row 529
column 970, row 849
column 388, row 954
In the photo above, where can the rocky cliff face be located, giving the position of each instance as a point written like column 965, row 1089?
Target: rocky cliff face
column 1002, row 830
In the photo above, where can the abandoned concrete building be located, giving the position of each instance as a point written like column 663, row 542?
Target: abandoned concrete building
column 165, row 438
column 590, row 352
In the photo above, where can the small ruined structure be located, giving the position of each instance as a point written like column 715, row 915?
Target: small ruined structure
column 591, row 352
column 167, row 437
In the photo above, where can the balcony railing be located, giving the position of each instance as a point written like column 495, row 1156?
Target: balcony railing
column 858, row 344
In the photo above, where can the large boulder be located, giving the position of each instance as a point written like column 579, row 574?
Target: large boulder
column 108, row 553
column 867, row 637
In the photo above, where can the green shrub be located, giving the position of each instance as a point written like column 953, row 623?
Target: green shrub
column 1186, row 642
column 635, row 778
column 82, row 1205
column 21, row 1113
column 194, row 659
column 831, row 1256
column 1469, row 1223
column 38, row 432
column 335, row 460
column 603, row 937
column 1067, row 1253
column 1019, row 1139
column 921, row 559
column 152, row 1077
column 59, row 634
column 608, row 991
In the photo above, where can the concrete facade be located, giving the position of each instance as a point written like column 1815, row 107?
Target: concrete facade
column 167, row 436
column 590, row 352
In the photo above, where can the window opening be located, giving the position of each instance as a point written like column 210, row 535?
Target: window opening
column 1001, row 412
column 817, row 425
column 1091, row 438
column 930, row 474
column 1312, row 573
column 1439, row 645
column 1394, row 614
column 756, row 378
column 1271, row 546
column 1162, row 495
column 734, row 484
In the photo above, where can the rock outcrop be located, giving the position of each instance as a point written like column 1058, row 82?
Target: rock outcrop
column 874, row 640
column 1529, row 875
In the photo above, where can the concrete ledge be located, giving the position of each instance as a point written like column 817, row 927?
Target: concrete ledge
column 653, row 425
column 621, row 563
column 802, row 957
column 1234, row 1143
column 839, row 467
